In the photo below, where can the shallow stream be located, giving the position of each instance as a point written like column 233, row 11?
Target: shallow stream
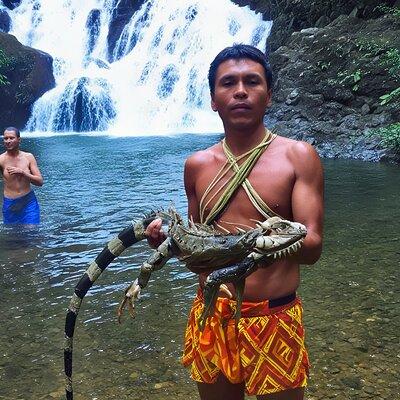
column 93, row 187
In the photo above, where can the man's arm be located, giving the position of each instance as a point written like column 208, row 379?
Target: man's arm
column 190, row 173
column 35, row 176
column 1, row 165
column 308, row 200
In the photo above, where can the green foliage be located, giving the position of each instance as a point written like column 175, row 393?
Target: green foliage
column 4, row 80
column 323, row 65
column 356, row 75
column 368, row 48
column 391, row 97
column 350, row 78
column 391, row 59
column 4, row 62
column 389, row 136
column 389, row 10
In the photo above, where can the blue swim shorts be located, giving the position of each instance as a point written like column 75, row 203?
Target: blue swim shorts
column 22, row 210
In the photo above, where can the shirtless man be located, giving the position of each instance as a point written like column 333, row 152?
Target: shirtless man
column 19, row 170
column 265, row 355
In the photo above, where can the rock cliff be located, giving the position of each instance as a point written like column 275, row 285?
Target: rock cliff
column 337, row 70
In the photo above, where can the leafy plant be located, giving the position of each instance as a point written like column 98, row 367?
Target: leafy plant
column 351, row 78
column 4, row 80
column 389, row 58
column 393, row 96
column 356, row 78
column 389, row 10
column 4, row 62
column 323, row 65
column 392, row 60
column 389, row 136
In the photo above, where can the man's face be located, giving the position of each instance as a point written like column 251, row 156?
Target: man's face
column 11, row 140
column 241, row 93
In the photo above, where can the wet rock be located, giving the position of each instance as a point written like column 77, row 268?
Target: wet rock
column 163, row 385
column 354, row 13
column 309, row 31
column 338, row 94
column 121, row 15
column 29, row 74
column 93, row 23
column 353, row 382
column 5, row 21
column 293, row 98
column 322, row 21
column 369, row 390
column 365, row 109
column 11, row 4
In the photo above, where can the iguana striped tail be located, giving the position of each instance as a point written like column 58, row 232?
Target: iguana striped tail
column 126, row 238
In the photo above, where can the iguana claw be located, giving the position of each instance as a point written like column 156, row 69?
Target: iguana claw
column 132, row 293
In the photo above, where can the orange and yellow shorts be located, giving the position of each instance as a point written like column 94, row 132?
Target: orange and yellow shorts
column 266, row 350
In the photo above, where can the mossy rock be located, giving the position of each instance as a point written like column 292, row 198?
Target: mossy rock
column 26, row 74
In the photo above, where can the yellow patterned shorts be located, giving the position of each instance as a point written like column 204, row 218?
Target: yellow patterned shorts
column 266, row 350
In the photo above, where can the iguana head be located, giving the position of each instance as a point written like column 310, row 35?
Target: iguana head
column 280, row 237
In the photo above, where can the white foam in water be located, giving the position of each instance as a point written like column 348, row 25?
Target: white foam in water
column 158, row 87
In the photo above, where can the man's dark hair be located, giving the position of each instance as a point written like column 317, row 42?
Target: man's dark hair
column 239, row 52
column 13, row 129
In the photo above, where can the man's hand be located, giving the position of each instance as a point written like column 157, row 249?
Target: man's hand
column 155, row 235
column 15, row 171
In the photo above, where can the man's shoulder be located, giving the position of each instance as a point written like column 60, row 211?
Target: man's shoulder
column 203, row 157
column 3, row 157
column 27, row 155
column 296, row 149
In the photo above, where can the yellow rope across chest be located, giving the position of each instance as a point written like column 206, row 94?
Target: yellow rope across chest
column 239, row 178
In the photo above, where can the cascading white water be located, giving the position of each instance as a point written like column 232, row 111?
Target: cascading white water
column 157, row 80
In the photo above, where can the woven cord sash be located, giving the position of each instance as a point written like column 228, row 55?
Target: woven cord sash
column 252, row 194
column 241, row 173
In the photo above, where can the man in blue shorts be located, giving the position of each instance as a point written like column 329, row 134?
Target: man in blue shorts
column 19, row 170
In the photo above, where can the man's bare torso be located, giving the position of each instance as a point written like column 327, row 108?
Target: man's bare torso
column 15, row 185
column 273, row 178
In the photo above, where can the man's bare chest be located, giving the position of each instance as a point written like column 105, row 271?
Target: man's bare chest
column 17, row 162
column 272, row 182
column 20, row 163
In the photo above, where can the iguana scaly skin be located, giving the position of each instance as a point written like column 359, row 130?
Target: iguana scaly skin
column 232, row 257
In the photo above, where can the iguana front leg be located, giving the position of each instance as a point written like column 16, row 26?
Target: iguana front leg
column 235, row 274
column 155, row 262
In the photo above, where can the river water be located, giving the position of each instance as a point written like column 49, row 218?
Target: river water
column 93, row 187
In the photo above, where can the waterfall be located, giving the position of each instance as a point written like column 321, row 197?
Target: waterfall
column 153, row 80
